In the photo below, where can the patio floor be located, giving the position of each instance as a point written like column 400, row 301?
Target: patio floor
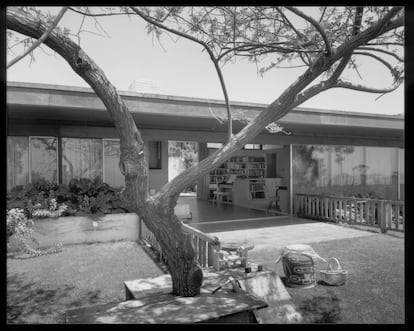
column 248, row 226
column 210, row 217
column 207, row 211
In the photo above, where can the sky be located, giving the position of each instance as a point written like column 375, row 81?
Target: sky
column 181, row 68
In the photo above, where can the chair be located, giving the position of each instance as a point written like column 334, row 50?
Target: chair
column 224, row 190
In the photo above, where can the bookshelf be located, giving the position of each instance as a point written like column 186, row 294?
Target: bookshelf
column 245, row 167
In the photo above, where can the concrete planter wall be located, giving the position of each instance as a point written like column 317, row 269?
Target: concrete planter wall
column 85, row 230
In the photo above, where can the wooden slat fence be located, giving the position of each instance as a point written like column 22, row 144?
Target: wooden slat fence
column 207, row 248
column 385, row 214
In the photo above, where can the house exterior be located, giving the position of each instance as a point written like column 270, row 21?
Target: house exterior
column 60, row 132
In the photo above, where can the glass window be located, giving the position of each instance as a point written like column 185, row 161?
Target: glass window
column 112, row 173
column 214, row 145
column 401, row 173
column 346, row 170
column 17, row 161
column 382, row 166
column 154, row 159
column 43, row 159
column 252, row 146
column 81, row 158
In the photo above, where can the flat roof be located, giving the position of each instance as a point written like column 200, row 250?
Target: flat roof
column 68, row 88
column 44, row 102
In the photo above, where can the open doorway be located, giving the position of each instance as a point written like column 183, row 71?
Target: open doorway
column 181, row 156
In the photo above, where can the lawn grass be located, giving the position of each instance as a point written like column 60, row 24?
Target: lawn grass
column 373, row 293
column 40, row 290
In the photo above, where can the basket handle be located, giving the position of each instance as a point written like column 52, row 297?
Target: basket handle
column 335, row 260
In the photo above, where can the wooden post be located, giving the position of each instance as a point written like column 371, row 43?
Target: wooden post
column 139, row 229
column 383, row 213
column 354, row 206
column 296, row 204
column 214, row 256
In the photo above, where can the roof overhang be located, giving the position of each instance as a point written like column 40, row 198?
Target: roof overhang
column 150, row 111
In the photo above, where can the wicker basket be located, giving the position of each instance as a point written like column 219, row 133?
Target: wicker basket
column 334, row 275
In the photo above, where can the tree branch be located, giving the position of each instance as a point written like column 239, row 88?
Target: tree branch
column 87, row 13
column 315, row 24
column 374, row 49
column 355, row 30
column 363, row 88
column 300, row 35
column 40, row 40
column 212, row 57
column 283, row 104
column 379, row 59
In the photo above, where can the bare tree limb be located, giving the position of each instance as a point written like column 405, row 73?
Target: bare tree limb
column 385, row 44
column 363, row 88
column 87, row 13
column 300, row 35
column 379, row 59
column 212, row 57
column 374, row 49
column 315, row 24
column 40, row 40
column 355, row 30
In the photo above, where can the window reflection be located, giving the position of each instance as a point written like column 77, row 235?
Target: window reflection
column 112, row 153
column 17, row 161
column 43, row 158
column 346, row 170
column 81, row 158
column 154, row 157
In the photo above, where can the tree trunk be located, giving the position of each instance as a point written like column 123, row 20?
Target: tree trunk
column 177, row 246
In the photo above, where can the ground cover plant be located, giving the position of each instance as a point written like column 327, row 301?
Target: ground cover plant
column 373, row 292
column 22, row 228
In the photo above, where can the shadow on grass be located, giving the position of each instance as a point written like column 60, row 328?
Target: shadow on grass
column 317, row 308
column 320, row 309
column 31, row 302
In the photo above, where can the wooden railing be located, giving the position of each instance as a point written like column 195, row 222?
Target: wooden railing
column 385, row 214
column 207, row 248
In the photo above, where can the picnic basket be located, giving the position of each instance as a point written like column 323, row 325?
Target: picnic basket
column 334, row 275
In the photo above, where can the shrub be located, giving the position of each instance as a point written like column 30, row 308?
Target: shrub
column 21, row 227
column 43, row 199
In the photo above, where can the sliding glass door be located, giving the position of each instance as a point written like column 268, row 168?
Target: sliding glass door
column 112, row 153
column 81, row 158
column 17, row 161
column 43, row 159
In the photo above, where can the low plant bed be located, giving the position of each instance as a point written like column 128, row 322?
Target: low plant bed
column 48, row 200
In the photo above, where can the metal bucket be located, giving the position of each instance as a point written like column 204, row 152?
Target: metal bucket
column 299, row 270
